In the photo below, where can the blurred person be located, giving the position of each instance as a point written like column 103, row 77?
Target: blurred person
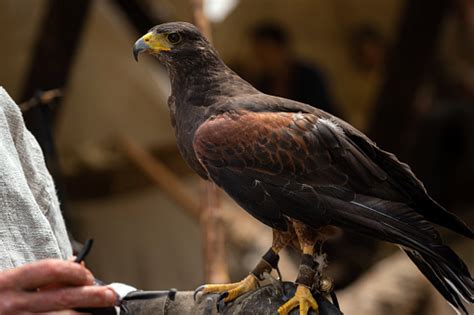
column 35, row 275
column 367, row 52
column 368, row 48
column 457, row 54
column 283, row 74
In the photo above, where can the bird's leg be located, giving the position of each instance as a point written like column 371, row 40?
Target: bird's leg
column 268, row 262
column 303, row 297
column 322, row 283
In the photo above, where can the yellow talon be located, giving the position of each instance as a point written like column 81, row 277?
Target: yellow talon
column 303, row 298
column 234, row 290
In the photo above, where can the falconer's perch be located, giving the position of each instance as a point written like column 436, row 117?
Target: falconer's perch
column 299, row 170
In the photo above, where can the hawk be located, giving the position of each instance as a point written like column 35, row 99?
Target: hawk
column 298, row 170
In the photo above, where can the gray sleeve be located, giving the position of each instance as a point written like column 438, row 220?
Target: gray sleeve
column 31, row 224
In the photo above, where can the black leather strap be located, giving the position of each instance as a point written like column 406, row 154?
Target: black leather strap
column 268, row 262
column 271, row 258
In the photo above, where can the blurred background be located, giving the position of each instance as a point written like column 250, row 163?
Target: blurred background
column 401, row 71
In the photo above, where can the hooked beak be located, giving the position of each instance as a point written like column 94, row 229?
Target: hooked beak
column 151, row 42
column 140, row 45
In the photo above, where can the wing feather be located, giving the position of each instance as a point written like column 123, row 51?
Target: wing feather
column 304, row 157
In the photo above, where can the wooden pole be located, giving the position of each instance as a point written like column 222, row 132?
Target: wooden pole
column 213, row 236
column 200, row 19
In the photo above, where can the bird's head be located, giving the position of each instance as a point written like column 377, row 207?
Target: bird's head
column 174, row 43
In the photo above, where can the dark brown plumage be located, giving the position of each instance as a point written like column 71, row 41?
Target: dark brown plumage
column 285, row 161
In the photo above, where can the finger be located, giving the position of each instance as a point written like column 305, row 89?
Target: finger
column 66, row 298
column 46, row 273
column 67, row 312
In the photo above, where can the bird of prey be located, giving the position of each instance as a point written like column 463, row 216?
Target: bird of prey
column 298, row 170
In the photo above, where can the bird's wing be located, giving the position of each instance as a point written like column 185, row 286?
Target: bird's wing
column 301, row 162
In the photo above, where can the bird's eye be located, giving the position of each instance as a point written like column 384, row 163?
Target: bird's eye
column 174, row 38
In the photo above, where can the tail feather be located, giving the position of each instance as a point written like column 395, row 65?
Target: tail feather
column 448, row 275
column 402, row 177
column 436, row 213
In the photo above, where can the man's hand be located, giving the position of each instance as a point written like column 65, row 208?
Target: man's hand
column 50, row 285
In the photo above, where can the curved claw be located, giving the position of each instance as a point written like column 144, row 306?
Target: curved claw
column 222, row 296
column 230, row 291
column 198, row 289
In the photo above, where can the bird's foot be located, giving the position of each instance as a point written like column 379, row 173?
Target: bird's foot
column 302, row 298
column 230, row 291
